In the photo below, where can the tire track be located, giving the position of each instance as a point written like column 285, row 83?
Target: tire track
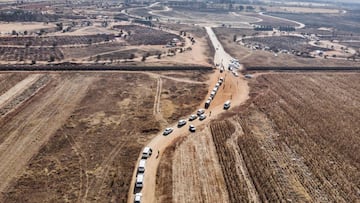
column 100, row 180
column 157, row 110
column 83, row 167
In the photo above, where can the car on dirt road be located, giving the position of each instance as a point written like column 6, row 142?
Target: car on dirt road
column 192, row 117
column 137, row 198
column 139, row 180
column 141, row 168
column 168, row 131
column 200, row 112
column 202, row 117
column 146, row 152
column 192, row 128
column 181, row 123
column 227, row 104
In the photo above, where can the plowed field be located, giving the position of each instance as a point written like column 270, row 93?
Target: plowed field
column 297, row 139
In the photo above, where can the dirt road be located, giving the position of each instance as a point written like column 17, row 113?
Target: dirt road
column 233, row 88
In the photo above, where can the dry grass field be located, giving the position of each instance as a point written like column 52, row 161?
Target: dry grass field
column 296, row 139
column 254, row 58
column 76, row 136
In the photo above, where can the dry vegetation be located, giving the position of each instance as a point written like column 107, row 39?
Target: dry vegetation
column 260, row 58
column 90, row 128
column 274, row 22
column 55, row 40
column 190, row 172
column 345, row 22
column 140, row 35
column 180, row 98
column 298, row 140
column 30, row 53
column 290, row 43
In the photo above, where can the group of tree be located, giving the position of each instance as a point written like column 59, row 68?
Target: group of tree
column 26, row 16
column 287, row 28
column 264, row 28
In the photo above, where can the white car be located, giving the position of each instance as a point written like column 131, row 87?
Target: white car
column 227, row 104
column 146, row 152
column 192, row 128
column 192, row 117
column 167, row 131
column 137, row 198
column 200, row 111
column 202, row 117
column 181, row 123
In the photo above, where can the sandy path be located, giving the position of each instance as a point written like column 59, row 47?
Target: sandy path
column 18, row 88
column 32, row 128
column 233, row 88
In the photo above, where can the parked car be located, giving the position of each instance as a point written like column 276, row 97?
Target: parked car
column 192, row 128
column 167, row 131
column 181, row 123
column 207, row 104
column 192, row 117
column 202, row 117
column 200, row 111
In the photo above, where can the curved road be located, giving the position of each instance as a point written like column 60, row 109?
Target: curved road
column 236, row 90
column 300, row 25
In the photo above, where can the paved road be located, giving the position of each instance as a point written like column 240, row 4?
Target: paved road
column 221, row 56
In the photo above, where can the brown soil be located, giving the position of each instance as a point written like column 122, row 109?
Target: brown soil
column 83, row 133
column 7, row 81
column 298, row 139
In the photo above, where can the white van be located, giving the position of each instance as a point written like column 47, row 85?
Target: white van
column 141, row 167
column 146, row 152
column 227, row 104
column 140, row 180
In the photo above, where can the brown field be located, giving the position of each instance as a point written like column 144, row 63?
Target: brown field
column 76, row 136
column 274, row 22
column 141, row 35
column 297, row 139
column 254, row 58
column 55, row 40
column 30, row 53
